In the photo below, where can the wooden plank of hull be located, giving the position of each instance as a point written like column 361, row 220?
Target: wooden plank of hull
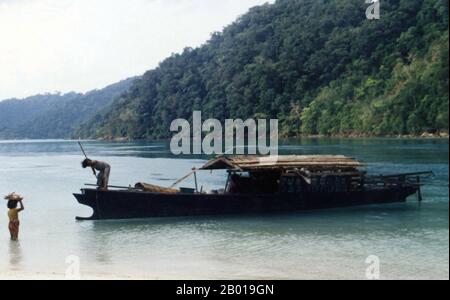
column 130, row 205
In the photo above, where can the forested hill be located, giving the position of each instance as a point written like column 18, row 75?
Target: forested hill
column 318, row 66
column 54, row 115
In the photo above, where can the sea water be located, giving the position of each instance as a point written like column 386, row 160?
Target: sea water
column 410, row 241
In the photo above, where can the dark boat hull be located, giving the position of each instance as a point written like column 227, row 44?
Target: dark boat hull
column 132, row 204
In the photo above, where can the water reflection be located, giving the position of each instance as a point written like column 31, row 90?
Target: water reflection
column 15, row 255
column 95, row 243
column 361, row 148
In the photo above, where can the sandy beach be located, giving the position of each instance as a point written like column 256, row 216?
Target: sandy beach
column 55, row 276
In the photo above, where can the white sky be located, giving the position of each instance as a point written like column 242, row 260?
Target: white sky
column 80, row 45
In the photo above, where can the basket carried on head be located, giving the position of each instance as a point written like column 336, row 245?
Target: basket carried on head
column 13, row 197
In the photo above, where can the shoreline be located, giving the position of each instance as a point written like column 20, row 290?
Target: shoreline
column 423, row 136
column 56, row 276
column 23, row 275
column 441, row 135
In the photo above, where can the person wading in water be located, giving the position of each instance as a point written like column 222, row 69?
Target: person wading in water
column 103, row 175
column 13, row 215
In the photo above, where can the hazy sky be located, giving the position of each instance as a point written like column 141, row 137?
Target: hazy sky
column 79, row 45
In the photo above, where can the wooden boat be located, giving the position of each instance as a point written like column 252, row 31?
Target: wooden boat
column 258, row 185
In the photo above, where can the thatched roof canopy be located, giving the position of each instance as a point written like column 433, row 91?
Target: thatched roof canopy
column 286, row 162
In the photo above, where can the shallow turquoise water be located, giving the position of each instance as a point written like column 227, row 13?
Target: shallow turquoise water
column 411, row 240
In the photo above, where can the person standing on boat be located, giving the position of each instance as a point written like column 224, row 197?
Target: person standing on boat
column 104, row 171
column 13, row 215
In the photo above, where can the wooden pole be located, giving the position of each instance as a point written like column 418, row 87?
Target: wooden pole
column 195, row 178
column 181, row 179
column 228, row 182
column 419, row 191
column 84, row 152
